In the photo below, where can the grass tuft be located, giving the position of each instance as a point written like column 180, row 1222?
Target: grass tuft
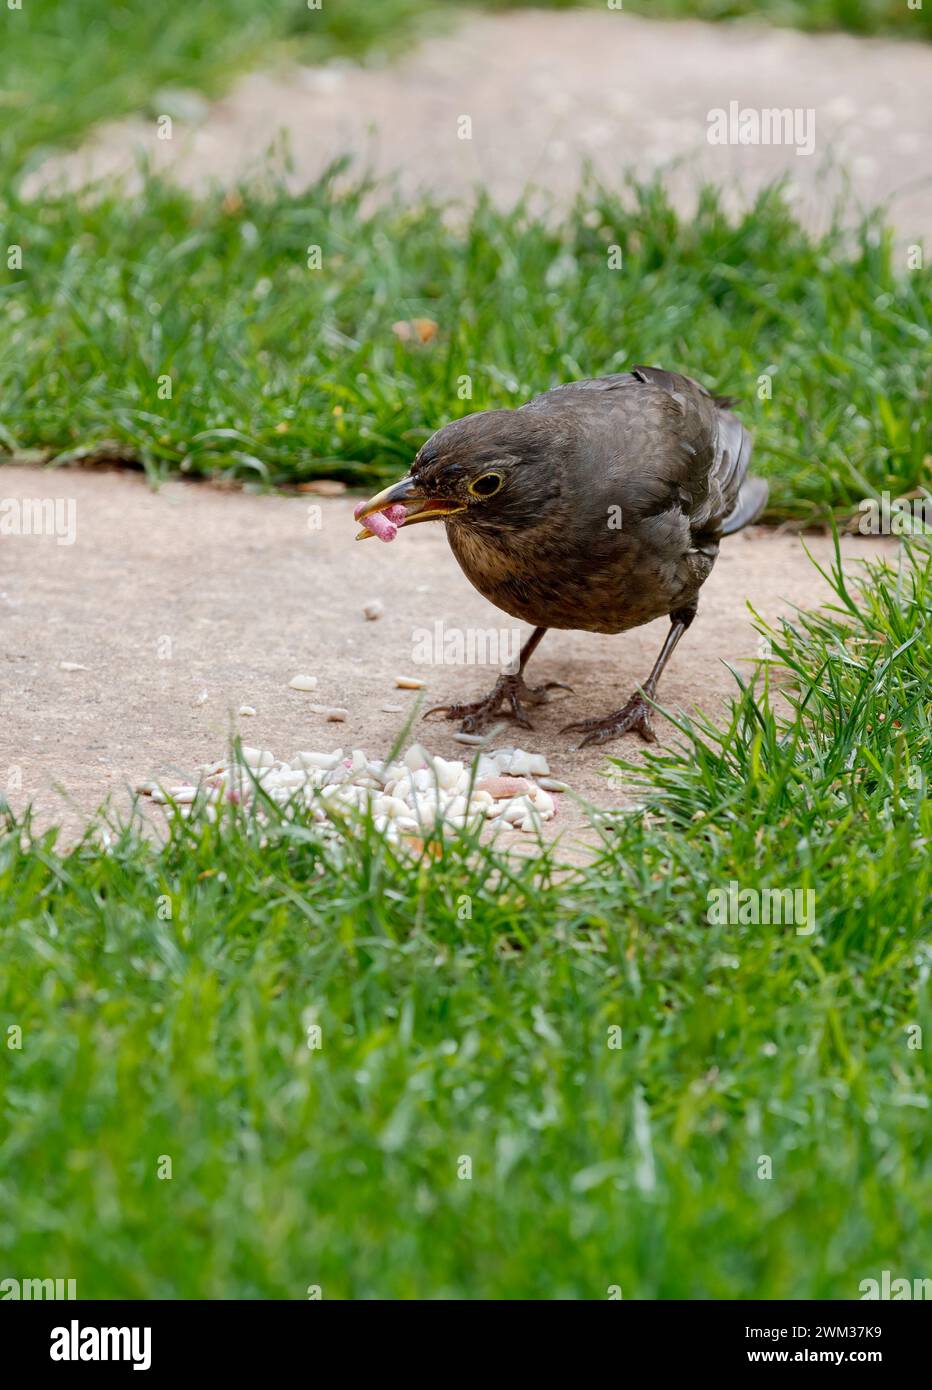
column 193, row 337
column 469, row 1004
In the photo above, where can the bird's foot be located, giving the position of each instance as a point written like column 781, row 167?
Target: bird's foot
column 508, row 691
column 634, row 718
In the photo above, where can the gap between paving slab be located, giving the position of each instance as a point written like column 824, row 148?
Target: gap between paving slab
column 167, row 596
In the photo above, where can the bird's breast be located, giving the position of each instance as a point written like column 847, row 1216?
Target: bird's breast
column 545, row 581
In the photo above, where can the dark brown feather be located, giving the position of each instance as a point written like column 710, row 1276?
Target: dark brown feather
column 650, row 447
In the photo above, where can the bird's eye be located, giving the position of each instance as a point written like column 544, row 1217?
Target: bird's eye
column 487, row 485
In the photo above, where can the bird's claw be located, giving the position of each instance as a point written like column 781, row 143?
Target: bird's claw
column 510, row 690
column 634, row 717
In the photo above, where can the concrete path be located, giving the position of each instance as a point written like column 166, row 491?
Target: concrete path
column 540, row 93
column 185, row 604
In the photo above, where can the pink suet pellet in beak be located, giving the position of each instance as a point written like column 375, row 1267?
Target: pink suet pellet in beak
column 384, row 524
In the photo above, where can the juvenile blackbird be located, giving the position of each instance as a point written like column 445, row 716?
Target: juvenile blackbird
column 597, row 505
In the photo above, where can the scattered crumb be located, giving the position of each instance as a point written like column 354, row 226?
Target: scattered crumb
column 335, row 713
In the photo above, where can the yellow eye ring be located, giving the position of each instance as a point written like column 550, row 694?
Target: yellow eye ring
column 496, row 479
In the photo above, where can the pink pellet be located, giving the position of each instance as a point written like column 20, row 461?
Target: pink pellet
column 384, row 524
column 379, row 524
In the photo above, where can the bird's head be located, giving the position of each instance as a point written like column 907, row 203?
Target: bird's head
column 476, row 472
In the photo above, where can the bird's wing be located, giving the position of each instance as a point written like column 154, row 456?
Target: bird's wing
column 719, row 444
column 672, row 444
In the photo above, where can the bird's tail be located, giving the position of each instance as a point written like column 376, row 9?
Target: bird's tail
column 752, row 499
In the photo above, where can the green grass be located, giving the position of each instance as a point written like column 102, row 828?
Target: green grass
column 164, row 994
column 279, row 372
column 64, row 67
column 857, row 16
column 486, row 1036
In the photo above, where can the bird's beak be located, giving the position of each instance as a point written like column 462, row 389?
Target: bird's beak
column 406, row 493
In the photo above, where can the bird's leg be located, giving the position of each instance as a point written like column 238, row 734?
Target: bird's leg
column 509, row 690
column 635, row 716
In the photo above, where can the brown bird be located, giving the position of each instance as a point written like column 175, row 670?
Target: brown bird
column 597, row 505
